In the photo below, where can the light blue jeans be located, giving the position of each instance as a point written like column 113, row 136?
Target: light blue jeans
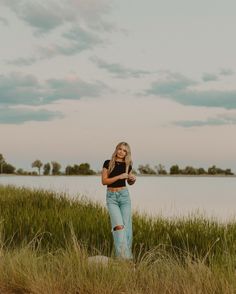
column 119, row 207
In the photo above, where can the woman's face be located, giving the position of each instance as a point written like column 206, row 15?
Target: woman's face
column 121, row 152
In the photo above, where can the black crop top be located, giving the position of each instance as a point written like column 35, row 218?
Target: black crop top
column 118, row 169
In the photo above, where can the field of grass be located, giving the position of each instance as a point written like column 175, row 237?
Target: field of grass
column 46, row 238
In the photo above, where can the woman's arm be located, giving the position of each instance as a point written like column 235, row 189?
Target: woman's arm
column 108, row 181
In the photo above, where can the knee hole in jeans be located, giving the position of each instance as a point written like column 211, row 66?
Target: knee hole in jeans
column 118, row 227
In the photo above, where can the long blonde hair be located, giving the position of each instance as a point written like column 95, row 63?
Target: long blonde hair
column 128, row 159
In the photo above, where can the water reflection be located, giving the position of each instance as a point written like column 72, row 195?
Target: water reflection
column 166, row 196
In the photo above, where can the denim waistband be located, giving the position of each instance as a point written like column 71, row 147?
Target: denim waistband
column 124, row 188
column 119, row 191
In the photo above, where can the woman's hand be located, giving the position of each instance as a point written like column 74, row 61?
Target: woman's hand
column 131, row 179
column 124, row 176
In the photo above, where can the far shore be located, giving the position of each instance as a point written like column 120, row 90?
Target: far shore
column 139, row 175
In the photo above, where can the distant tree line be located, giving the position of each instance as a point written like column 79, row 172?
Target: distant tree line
column 49, row 168
column 147, row 170
column 54, row 168
column 188, row 170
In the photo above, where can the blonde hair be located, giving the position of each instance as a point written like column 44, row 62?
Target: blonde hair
column 128, row 159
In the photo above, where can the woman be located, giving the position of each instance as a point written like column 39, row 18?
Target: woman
column 115, row 172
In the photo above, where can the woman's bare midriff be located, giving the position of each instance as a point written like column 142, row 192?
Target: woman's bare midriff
column 115, row 189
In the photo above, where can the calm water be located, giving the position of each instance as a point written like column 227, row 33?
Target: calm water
column 166, row 196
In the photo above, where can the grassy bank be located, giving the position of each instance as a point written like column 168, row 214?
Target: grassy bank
column 46, row 239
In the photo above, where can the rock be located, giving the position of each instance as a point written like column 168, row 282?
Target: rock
column 98, row 259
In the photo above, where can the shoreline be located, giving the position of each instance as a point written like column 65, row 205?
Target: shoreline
column 139, row 175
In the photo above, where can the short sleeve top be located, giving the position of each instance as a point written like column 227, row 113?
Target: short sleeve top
column 118, row 169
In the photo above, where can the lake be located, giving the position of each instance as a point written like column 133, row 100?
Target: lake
column 168, row 196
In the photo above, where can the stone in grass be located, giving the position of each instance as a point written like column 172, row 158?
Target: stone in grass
column 98, row 259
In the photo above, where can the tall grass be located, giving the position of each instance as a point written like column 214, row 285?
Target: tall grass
column 46, row 239
column 25, row 213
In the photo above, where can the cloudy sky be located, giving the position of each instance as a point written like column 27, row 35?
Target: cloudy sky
column 79, row 76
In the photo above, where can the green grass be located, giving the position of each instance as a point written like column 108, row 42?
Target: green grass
column 46, row 238
column 27, row 213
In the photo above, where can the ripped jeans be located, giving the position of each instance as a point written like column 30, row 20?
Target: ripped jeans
column 119, row 207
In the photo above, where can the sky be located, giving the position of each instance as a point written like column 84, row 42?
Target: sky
column 79, row 76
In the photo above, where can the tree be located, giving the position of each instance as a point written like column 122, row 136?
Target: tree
column 189, row 170
column 69, row 170
column 229, row 172
column 84, row 169
column 46, row 169
column 220, row 171
column 146, row 170
column 20, row 171
column 56, row 168
column 75, row 169
column 2, row 162
column 38, row 164
column 8, row 168
column 201, row 171
column 212, row 170
column 174, row 170
column 160, row 169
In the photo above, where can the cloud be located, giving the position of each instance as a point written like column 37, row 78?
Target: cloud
column 19, row 116
column 19, row 89
column 39, row 15
column 226, row 72
column 178, row 88
column 78, row 40
column 210, row 98
column 222, row 119
column 82, row 26
column 45, row 16
column 72, row 89
column 207, row 77
column 174, row 83
column 118, row 70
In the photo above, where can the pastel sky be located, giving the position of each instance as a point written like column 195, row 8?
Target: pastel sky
column 79, row 76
